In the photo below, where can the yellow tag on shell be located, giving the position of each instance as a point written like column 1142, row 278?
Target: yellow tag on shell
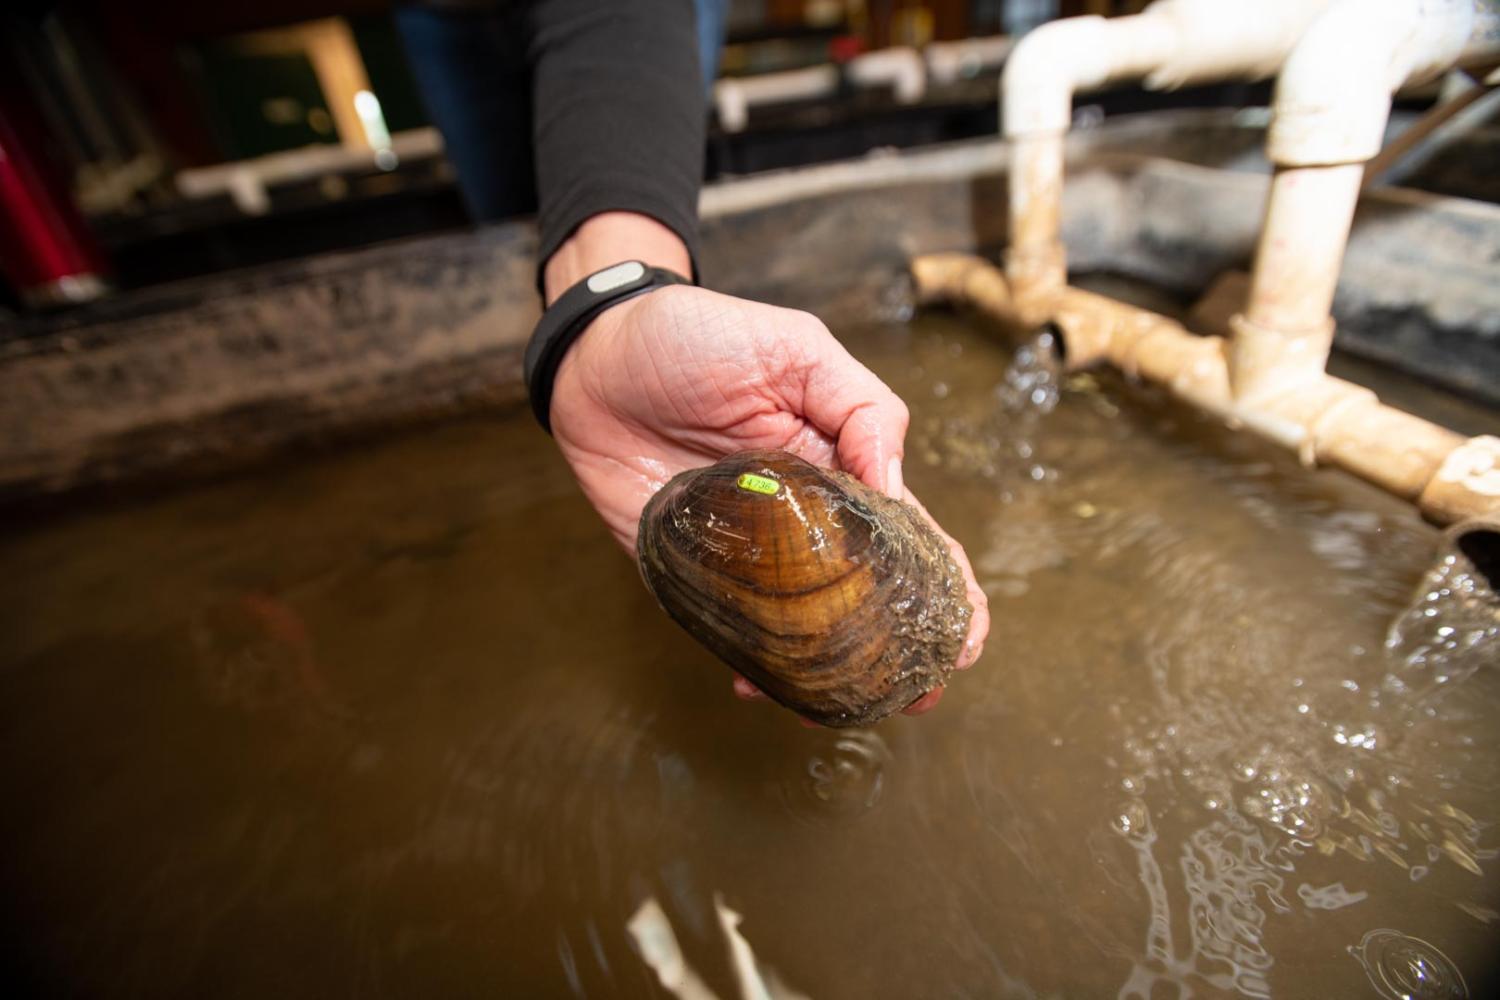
column 758, row 484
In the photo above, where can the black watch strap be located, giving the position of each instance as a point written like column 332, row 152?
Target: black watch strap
column 571, row 314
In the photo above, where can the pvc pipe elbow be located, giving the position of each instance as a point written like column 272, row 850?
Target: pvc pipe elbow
column 1466, row 483
column 1172, row 42
column 1334, row 93
column 902, row 68
column 1222, row 41
column 1044, row 68
column 734, row 97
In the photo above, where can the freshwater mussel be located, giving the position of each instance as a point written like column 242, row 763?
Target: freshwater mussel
column 837, row 601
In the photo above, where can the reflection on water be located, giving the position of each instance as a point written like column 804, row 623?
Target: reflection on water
column 1402, row 967
column 402, row 721
column 844, row 781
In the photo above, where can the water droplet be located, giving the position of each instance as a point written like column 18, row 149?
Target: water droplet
column 1402, row 967
column 1132, row 819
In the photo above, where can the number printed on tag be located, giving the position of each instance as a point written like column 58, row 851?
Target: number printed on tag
column 759, row 484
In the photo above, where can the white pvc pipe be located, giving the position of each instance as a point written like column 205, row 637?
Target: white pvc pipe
column 901, row 68
column 1301, row 247
column 1333, row 97
column 248, row 181
column 1077, row 53
column 1173, row 43
column 1035, row 259
column 734, row 97
column 1327, row 421
column 1282, row 339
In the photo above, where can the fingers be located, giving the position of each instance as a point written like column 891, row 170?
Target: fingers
column 846, row 401
column 926, row 703
column 979, row 625
column 868, row 422
column 745, row 691
column 814, row 446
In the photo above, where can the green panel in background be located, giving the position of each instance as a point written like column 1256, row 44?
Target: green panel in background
column 259, row 103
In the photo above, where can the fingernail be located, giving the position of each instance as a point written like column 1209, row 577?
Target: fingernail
column 971, row 652
column 925, row 703
column 893, row 484
column 745, row 690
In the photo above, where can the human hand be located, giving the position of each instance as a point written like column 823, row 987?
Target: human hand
column 680, row 377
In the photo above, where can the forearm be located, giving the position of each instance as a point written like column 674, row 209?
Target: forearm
column 609, row 238
column 619, row 129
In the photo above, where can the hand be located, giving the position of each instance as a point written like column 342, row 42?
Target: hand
column 680, row 377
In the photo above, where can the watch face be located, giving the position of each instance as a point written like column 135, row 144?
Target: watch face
column 613, row 277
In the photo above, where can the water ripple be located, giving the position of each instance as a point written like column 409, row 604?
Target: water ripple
column 843, row 781
column 1402, row 967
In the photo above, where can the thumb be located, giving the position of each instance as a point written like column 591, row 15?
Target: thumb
column 866, row 420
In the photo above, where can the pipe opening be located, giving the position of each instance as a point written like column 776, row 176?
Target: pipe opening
column 1481, row 547
column 1049, row 336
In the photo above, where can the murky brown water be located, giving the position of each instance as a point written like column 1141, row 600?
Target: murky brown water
column 403, row 721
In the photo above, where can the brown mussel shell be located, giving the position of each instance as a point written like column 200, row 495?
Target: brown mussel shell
column 840, row 603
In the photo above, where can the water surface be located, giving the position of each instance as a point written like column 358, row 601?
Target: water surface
column 403, row 721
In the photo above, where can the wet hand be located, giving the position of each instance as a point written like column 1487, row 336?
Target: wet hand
column 679, row 378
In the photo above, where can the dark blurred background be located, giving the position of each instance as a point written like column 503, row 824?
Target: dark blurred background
column 171, row 138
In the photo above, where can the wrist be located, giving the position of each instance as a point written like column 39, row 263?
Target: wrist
column 609, row 238
column 577, row 310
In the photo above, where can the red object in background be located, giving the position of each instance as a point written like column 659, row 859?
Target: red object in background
column 46, row 251
column 845, row 47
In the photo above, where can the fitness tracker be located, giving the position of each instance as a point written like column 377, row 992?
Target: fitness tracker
column 571, row 314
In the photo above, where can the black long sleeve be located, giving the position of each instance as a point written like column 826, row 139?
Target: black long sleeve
column 618, row 114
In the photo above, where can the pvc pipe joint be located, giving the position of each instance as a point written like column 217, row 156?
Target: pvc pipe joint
column 1171, row 44
column 1334, row 93
column 902, row 68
